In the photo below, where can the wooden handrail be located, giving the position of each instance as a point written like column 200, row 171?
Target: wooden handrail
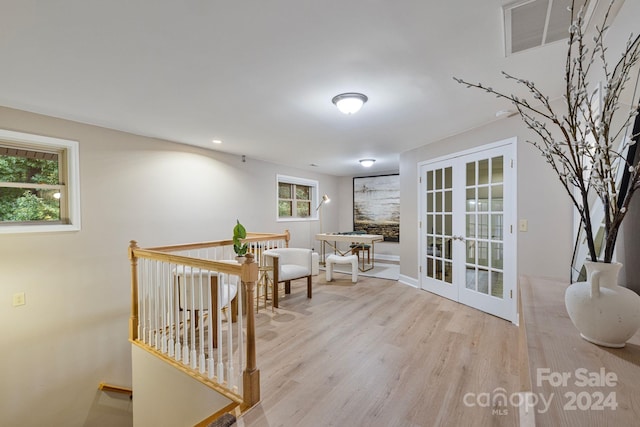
column 251, row 238
column 116, row 389
column 226, row 410
column 205, row 264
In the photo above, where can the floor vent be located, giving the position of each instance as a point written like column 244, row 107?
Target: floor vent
column 534, row 23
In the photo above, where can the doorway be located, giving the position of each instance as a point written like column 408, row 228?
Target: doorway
column 467, row 210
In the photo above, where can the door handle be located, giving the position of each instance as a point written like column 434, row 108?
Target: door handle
column 461, row 238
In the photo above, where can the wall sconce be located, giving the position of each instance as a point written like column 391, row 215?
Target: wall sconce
column 349, row 103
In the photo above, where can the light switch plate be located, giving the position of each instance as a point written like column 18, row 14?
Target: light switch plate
column 523, row 225
column 19, row 299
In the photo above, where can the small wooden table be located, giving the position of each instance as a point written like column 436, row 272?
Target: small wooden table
column 332, row 240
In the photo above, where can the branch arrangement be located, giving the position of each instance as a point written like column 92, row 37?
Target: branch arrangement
column 584, row 143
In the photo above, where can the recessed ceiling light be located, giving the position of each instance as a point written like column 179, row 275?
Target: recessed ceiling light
column 367, row 163
column 217, row 141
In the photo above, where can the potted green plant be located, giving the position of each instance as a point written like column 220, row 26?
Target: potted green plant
column 239, row 233
column 587, row 144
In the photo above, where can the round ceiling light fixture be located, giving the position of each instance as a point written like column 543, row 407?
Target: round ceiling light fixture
column 367, row 163
column 349, row 103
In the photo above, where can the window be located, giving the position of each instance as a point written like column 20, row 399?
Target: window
column 297, row 198
column 39, row 188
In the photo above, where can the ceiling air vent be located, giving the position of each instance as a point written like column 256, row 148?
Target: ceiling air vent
column 533, row 23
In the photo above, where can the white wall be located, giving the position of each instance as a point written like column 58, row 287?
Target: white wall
column 545, row 250
column 185, row 403
column 73, row 331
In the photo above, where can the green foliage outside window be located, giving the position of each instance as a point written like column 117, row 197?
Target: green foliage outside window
column 294, row 196
column 24, row 203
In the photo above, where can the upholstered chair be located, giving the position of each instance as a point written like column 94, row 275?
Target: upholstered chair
column 288, row 264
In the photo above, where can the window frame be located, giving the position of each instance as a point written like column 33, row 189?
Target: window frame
column 314, row 186
column 70, row 165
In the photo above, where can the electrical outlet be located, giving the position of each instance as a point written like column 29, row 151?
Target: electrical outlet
column 523, row 225
column 19, row 299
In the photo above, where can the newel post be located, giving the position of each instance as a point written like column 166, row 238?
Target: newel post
column 251, row 374
column 133, row 320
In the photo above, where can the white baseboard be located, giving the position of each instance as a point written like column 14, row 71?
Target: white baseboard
column 388, row 258
column 409, row 281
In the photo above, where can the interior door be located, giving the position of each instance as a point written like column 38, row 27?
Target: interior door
column 437, row 229
column 467, row 208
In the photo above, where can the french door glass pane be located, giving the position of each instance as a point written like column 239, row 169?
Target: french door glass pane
column 497, row 198
column 483, row 281
column 496, row 255
column 483, row 253
column 496, row 226
column 497, row 172
column 471, row 225
column 471, row 251
column 497, row 284
column 471, row 199
column 484, row 226
column 471, row 174
column 470, row 279
column 448, row 272
column 439, row 224
column 483, row 171
column 482, row 202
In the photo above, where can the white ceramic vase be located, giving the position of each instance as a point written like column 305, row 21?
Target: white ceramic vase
column 604, row 313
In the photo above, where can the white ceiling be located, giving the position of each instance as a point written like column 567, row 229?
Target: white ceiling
column 260, row 75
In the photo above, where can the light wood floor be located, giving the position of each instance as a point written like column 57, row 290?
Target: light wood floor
column 379, row 353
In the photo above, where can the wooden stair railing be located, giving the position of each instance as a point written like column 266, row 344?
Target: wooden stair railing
column 248, row 276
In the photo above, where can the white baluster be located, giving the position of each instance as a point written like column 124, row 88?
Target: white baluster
column 140, row 275
column 156, row 305
column 240, row 326
column 163, row 305
column 145, row 303
column 171, row 303
column 221, row 278
column 230, row 375
column 201, row 305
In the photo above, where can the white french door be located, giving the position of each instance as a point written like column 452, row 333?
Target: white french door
column 467, row 242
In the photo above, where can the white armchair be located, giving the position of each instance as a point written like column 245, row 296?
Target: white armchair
column 196, row 286
column 289, row 264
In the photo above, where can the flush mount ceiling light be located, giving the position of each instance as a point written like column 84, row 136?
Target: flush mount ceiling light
column 367, row 163
column 349, row 103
